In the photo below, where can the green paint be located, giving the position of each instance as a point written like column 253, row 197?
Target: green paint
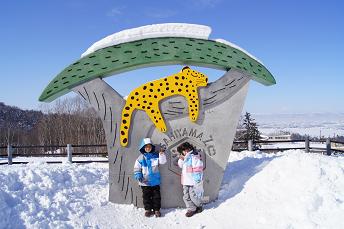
column 154, row 52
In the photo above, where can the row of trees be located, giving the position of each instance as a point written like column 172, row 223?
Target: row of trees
column 67, row 121
column 71, row 121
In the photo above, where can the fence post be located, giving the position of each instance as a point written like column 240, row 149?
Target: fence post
column 250, row 145
column 69, row 152
column 9, row 154
column 307, row 144
column 328, row 147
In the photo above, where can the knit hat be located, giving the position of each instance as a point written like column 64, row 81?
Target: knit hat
column 147, row 141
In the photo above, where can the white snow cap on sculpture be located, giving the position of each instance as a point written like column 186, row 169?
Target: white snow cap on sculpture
column 237, row 47
column 160, row 30
column 151, row 31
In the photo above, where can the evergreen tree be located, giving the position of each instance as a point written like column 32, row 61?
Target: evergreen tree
column 250, row 129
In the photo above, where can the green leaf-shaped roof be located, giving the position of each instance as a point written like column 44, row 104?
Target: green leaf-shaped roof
column 154, row 52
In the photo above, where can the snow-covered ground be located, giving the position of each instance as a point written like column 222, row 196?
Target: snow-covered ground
column 284, row 190
column 53, row 159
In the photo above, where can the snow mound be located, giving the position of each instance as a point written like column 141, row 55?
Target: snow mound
column 287, row 190
column 151, row 31
column 39, row 195
column 284, row 190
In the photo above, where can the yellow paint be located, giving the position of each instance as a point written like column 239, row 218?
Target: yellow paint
column 147, row 98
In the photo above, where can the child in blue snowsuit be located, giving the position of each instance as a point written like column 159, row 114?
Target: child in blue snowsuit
column 146, row 172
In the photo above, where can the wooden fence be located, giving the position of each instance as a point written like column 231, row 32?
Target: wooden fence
column 101, row 151
column 328, row 149
column 50, row 151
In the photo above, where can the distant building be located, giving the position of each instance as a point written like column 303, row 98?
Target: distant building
column 337, row 146
column 284, row 137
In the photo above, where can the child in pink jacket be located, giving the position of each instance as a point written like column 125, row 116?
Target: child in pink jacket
column 192, row 178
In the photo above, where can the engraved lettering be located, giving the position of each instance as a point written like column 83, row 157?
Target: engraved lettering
column 166, row 141
column 177, row 133
column 192, row 133
column 200, row 136
column 171, row 136
column 211, row 150
column 208, row 140
column 185, row 133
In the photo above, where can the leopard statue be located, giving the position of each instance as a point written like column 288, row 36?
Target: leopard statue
column 147, row 97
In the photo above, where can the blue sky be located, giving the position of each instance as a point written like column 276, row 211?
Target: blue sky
column 300, row 42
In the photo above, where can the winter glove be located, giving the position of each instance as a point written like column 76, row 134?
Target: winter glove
column 139, row 176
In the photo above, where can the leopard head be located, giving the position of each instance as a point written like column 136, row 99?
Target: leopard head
column 196, row 78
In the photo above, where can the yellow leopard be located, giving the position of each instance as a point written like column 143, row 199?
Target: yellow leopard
column 148, row 96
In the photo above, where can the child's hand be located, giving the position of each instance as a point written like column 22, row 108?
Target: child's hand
column 139, row 176
column 162, row 150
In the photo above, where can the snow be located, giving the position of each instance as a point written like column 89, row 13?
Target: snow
column 39, row 195
column 293, row 145
column 160, row 30
column 283, row 190
column 53, row 159
column 313, row 124
column 239, row 48
column 151, row 31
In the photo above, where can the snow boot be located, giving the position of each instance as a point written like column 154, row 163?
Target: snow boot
column 157, row 214
column 190, row 213
column 199, row 209
column 148, row 213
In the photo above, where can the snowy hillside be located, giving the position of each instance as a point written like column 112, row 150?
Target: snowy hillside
column 16, row 118
column 313, row 124
column 284, row 190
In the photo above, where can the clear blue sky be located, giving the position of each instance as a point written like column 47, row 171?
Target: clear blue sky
column 300, row 42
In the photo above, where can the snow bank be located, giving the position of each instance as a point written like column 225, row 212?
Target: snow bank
column 150, row 31
column 283, row 190
column 39, row 195
column 287, row 190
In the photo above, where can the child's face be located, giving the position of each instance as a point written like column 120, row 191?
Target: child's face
column 184, row 152
column 148, row 148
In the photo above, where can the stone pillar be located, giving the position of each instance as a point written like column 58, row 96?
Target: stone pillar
column 69, row 152
column 9, row 154
column 250, row 145
column 307, row 144
column 328, row 147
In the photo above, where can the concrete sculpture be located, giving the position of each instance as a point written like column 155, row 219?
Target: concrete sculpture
column 213, row 125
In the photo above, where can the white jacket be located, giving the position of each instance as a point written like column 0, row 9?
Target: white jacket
column 192, row 169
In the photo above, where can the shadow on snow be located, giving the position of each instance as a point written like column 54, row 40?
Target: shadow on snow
column 236, row 175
